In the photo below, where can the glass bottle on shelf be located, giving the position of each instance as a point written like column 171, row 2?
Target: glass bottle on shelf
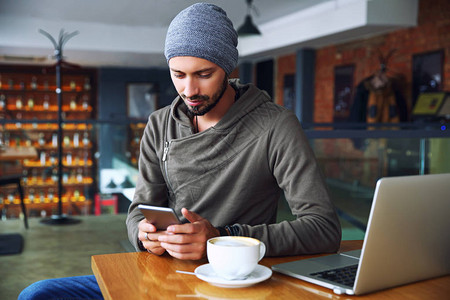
column 31, row 195
column 87, row 84
column 85, row 103
column 44, row 176
column 46, row 104
column 76, row 139
column 19, row 102
column 41, row 139
column 52, row 158
column 43, row 158
column 76, row 195
column 54, row 140
column 86, row 139
column 73, row 176
column 7, row 139
column 65, row 178
column 30, row 103
column 33, row 84
column 66, row 141
column 80, row 176
column 11, row 84
column 19, row 117
column 51, row 195
column 54, row 175
column 41, row 197
column 18, row 142
column 85, row 158
column 69, row 159
column 73, row 104
column 25, row 176
column 34, row 176
column 46, row 85
column 22, row 85
column 73, row 85
column 2, row 101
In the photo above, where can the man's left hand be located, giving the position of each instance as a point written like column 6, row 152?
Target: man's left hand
column 188, row 241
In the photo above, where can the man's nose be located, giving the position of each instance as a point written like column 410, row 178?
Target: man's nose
column 191, row 88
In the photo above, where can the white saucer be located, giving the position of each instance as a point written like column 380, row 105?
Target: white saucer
column 206, row 273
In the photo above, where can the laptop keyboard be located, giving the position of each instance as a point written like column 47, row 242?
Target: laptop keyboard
column 345, row 276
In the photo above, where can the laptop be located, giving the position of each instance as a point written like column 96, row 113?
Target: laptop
column 407, row 240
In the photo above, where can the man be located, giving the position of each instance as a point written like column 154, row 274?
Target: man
column 220, row 155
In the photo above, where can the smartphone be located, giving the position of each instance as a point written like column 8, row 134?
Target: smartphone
column 161, row 217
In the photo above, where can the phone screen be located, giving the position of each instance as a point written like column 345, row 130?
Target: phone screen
column 161, row 217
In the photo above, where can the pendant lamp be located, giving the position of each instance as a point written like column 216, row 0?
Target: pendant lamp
column 248, row 28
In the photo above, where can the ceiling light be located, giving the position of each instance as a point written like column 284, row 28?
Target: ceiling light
column 248, row 28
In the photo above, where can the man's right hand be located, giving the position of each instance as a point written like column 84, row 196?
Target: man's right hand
column 148, row 235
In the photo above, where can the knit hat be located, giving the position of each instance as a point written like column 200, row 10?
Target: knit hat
column 203, row 30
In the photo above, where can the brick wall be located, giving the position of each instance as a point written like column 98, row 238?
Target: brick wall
column 339, row 158
column 432, row 33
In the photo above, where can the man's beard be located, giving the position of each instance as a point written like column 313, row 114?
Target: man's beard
column 201, row 110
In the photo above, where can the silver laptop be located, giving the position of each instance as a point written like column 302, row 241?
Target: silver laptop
column 407, row 240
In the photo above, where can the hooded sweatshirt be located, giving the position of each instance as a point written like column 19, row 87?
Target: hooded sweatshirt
column 234, row 173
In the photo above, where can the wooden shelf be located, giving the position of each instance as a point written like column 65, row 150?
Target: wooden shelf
column 29, row 93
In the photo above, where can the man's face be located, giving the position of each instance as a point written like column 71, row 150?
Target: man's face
column 199, row 82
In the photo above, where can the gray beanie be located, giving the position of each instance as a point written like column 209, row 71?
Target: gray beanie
column 203, row 30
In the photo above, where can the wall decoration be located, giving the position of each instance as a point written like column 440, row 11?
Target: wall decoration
column 142, row 99
column 427, row 73
column 289, row 92
column 343, row 92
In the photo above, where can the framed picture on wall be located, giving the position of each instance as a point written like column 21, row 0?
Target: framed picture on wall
column 289, row 92
column 343, row 92
column 427, row 71
column 142, row 99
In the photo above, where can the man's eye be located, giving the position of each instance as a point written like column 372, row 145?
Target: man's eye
column 204, row 75
column 178, row 75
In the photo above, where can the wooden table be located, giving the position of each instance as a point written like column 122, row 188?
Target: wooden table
column 146, row 276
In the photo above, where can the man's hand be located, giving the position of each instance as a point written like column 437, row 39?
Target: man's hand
column 188, row 241
column 148, row 235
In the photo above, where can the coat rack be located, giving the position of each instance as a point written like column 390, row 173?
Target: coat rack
column 60, row 218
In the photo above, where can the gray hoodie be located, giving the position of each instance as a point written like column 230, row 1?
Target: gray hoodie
column 234, row 173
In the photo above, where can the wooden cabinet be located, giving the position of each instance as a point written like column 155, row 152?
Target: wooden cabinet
column 28, row 115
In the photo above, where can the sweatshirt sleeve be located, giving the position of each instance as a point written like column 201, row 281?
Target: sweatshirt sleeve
column 316, row 228
column 150, row 187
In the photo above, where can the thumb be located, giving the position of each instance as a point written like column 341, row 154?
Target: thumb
column 190, row 215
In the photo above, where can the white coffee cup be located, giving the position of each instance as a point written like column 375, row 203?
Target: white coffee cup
column 234, row 257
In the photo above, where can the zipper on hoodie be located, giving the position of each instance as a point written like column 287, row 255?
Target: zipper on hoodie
column 164, row 159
